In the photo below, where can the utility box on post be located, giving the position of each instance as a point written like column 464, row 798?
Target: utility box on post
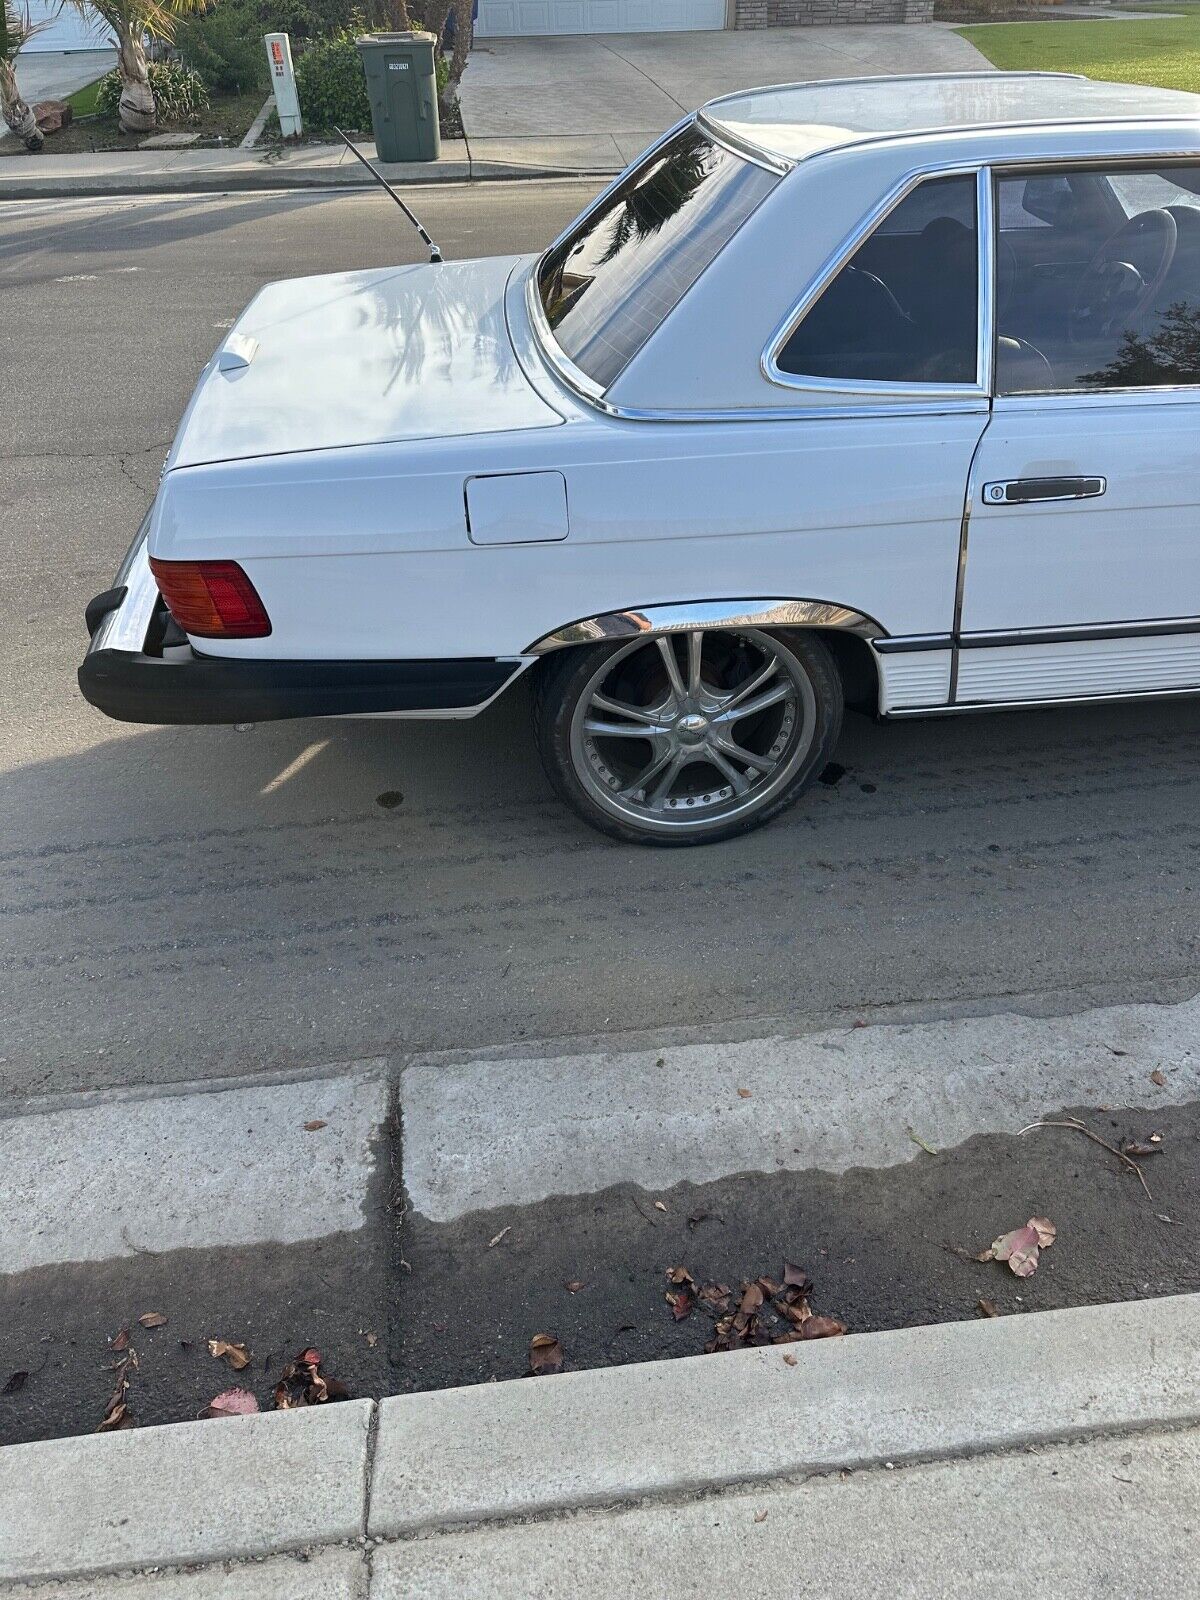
column 283, row 83
column 402, row 86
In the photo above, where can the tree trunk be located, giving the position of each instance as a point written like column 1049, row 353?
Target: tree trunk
column 16, row 113
column 464, row 33
column 138, row 113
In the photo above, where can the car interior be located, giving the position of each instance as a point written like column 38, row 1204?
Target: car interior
column 1096, row 286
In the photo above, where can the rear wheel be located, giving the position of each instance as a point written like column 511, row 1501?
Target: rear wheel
column 691, row 737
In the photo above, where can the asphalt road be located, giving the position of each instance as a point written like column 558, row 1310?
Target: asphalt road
column 189, row 903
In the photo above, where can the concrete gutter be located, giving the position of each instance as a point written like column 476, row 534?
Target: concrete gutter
column 426, row 1463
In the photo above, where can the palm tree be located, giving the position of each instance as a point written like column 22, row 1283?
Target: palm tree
column 130, row 20
column 15, row 29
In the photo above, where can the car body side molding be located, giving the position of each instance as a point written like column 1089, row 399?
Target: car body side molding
column 683, row 616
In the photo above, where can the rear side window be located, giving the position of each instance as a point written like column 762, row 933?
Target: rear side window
column 905, row 307
column 621, row 270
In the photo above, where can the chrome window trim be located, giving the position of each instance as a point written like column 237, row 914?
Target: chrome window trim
column 1076, row 399
column 586, row 390
column 780, row 165
column 1082, row 397
column 582, row 216
column 859, row 234
column 574, row 377
column 682, row 616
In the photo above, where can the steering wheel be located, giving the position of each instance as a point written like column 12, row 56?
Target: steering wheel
column 1123, row 276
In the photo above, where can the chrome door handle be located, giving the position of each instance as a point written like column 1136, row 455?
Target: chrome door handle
column 1025, row 491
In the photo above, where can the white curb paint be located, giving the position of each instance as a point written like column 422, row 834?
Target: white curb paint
column 674, row 1427
column 118, row 1176
column 512, row 1131
column 197, row 1491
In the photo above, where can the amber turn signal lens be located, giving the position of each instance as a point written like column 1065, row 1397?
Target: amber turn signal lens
column 211, row 599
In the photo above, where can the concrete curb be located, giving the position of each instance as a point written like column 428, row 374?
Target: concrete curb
column 197, row 1492
column 263, row 1485
column 245, row 177
column 677, row 1427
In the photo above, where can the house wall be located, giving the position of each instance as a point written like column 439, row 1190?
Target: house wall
column 798, row 13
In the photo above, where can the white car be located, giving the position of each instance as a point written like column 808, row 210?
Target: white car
column 882, row 393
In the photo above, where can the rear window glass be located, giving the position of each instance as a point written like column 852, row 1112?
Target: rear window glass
column 618, row 273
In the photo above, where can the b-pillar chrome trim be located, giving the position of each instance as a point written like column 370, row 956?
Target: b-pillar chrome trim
column 686, row 616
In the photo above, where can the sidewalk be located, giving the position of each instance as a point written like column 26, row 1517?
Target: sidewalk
column 577, row 106
column 1034, row 1455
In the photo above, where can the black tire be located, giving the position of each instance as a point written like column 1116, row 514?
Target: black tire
column 563, row 678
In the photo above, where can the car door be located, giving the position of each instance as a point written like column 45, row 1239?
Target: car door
column 1082, row 572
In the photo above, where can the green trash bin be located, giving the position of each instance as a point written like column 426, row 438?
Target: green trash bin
column 402, row 86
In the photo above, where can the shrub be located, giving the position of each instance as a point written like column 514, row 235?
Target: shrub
column 178, row 92
column 225, row 46
column 332, row 84
column 306, row 20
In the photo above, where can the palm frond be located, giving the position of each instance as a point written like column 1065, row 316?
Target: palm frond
column 19, row 29
column 136, row 16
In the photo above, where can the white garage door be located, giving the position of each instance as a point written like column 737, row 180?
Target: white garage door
column 505, row 19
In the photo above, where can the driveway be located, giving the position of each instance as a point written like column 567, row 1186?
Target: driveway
column 626, row 88
column 55, row 74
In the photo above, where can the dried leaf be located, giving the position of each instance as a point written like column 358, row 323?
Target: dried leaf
column 681, row 1304
column 658, row 1206
column 15, row 1383
column 1020, row 1247
column 769, row 1287
column 680, row 1275
column 795, row 1277
column 987, row 1308
column 1156, row 1138
column 790, row 1359
column 714, row 1295
column 752, row 1299
column 821, row 1328
column 1133, row 1148
column 495, row 1240
column 231, row 1403
column 1159, row 1077
column 152, row 1319
column 121, row 1342
column 1045, row 1230
column 309, row 1358
column 312, row 1127
column 797, row 1311
column 117, row 1417
column 743, row 1094
column 236, row 1355
column 545, row 1354
column 575, row 1285
column 760, row 1516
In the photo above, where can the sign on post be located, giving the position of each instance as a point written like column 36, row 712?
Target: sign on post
column 283, row 83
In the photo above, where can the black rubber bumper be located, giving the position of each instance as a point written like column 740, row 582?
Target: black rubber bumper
column 183, row 687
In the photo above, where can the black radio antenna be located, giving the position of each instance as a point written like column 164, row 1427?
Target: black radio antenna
column 434, row 253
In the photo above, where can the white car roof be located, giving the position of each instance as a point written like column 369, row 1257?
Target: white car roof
column 796, row 120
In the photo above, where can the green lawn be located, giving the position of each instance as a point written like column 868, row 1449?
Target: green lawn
column 1164, row 50
column 83, row 101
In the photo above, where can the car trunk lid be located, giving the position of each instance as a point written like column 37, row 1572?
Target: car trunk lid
column 360, row 358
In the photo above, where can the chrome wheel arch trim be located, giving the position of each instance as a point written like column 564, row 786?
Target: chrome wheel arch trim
column 685, row 616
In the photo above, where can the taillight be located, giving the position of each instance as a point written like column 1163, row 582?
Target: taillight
column 212, row 599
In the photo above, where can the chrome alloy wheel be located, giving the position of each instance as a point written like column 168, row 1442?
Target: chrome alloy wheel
column 683, row 730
